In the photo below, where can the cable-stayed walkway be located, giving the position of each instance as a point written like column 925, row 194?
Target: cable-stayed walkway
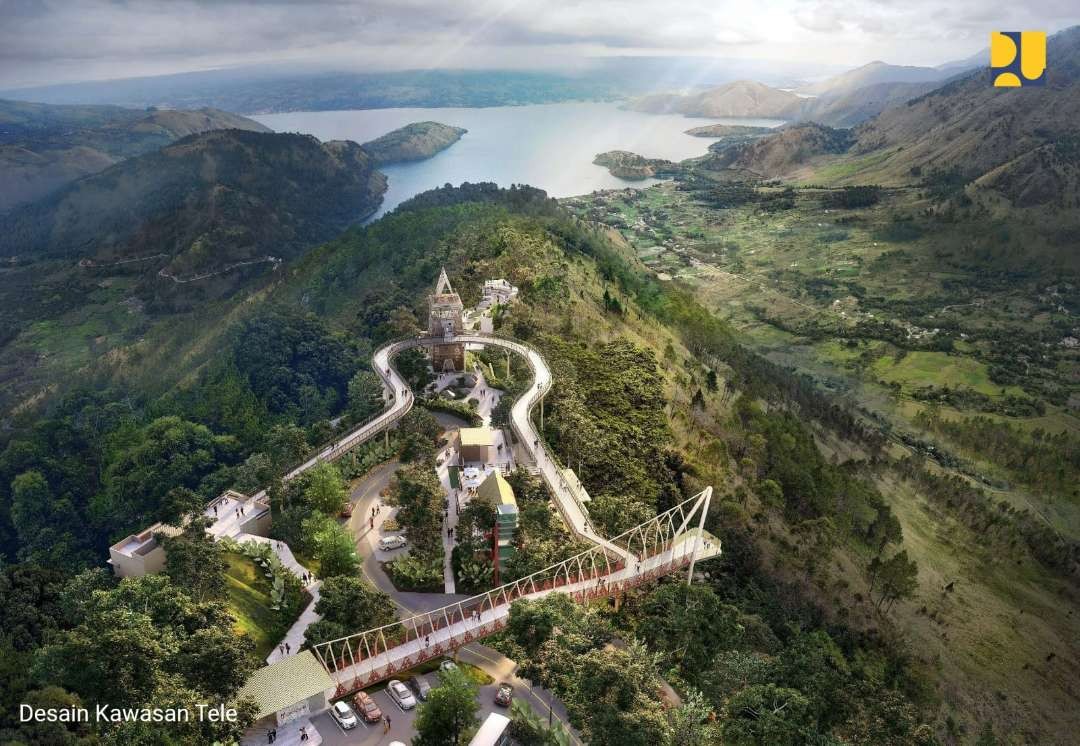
column 665, row 544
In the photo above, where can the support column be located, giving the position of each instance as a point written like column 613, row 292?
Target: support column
column 701, row 528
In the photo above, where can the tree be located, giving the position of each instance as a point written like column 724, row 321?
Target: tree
column 767, row 715
column 417, row 433
column 449, row 715
column 256, row 472
column 690, row 625
column 325, row 488
column 195, row 562
column 146, row 643
column 168, row 453
column 30, row 604
column 332, row 545
column 347, row 605
column 365, row 395
column 178, row 503
column 898, row 577
column 285, row 445
column 692, row 722
column 419, row 496
column 216, row 660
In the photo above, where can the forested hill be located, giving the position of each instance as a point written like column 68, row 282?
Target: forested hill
column 413, row 142
column 44, row 147
column 654, row 399
column 206, row 201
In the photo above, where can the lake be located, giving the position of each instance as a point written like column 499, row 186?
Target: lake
column 550, row 146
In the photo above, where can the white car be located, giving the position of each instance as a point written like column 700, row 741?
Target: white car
column 387, row 543
column 344, row 715
column 401, row 694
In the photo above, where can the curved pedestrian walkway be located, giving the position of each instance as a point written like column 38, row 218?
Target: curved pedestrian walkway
column 567, row 497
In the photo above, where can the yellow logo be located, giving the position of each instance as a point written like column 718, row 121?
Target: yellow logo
column 1018, row 58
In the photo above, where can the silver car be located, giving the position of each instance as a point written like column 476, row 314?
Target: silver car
column 388, row 543
column 344, row 715
column 401, row 694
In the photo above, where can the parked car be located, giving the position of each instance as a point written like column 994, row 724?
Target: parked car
column 367, row 708
column 344, row 715
column 387, row 543
column 346, row 512
column 401, row 694
column 420, row 687
column 447, row 665
column 504, row 695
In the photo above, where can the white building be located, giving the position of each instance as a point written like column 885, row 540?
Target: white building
column 497, row 292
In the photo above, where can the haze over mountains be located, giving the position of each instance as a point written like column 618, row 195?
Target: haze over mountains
column 1020, row 143
column 843, row 100
column 43, row 147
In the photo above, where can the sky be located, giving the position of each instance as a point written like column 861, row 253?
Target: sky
column 55, row 41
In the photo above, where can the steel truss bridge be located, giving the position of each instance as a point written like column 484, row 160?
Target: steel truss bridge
column 661, row 546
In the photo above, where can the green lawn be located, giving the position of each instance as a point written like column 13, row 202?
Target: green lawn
column 310, row 563
column 249, row 602
column 939, row 369
column 455, row 477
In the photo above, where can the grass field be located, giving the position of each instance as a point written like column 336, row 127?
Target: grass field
column 918, row 368
column 998, row 635
column 249, row 602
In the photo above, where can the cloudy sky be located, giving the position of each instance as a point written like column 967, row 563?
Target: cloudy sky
column 50, row 41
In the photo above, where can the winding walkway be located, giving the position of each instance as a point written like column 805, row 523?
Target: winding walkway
column 607, row 569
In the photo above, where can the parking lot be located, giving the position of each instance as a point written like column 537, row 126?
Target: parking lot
column 401, row 727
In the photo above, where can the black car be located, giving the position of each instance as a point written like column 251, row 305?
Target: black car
column 420, row 687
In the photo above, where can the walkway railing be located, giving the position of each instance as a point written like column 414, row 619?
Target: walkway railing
column 657, row 547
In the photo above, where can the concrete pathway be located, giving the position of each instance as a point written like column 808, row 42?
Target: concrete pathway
column 450, row 516
column 295, row 636
column 287, row 735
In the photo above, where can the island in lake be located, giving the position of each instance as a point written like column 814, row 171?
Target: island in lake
column 413, row 142
column 627, row 165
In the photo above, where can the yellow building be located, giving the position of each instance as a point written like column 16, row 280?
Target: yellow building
column 476, row 445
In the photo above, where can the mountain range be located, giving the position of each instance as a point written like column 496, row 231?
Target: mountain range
column 44, row 147
column 1021, row 144
column 843, row 100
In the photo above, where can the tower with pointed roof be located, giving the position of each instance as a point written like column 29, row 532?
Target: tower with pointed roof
column 446, row 319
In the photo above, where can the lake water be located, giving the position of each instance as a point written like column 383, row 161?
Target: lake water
column 550, row 146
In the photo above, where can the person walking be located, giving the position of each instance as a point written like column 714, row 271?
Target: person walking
column 215, row 511
column 385, row 724
column 288, row 649
column 303, row 734
column 281, row 648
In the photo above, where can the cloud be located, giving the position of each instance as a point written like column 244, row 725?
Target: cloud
column 45, row 41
